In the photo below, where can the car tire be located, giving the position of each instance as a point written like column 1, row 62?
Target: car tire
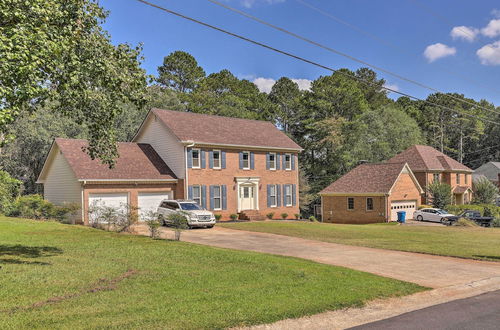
column 420, row 218
column 212, row 226
column 443, row 221
column 162, row 220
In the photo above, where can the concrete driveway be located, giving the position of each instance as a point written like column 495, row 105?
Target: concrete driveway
column 451, row 278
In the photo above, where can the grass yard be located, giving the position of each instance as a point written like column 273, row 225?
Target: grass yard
column 62, row 276
column 472, row 243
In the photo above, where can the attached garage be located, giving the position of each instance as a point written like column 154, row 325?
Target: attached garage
column 149, row 201
column 408, row 206
column 117, row 201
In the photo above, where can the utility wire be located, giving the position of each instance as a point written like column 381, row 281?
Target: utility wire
column 306, row 60
column 218, row 3
column 387, row 43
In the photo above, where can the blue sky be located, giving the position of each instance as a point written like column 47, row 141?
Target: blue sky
column 448, row 44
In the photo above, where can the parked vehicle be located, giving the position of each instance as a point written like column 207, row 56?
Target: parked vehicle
column 196, row 215
column 434, row 215
column 474, row 216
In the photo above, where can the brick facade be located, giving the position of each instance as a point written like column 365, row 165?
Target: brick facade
column 450, row 178
column 231, row 174
column 335, row 209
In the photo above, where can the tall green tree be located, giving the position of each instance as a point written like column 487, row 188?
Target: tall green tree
column 57, row 50
column 485, row 191
column 286, row 95
column 180, row 71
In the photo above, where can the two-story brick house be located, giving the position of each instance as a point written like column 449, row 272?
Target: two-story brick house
column 429, row 165
column 227, row 165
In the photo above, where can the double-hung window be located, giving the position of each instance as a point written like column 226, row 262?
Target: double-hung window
column 216, row 155
column 435, row 177
column 288, row 195
column 273, row 196
column 272, row 161
column 458, row 178
column 369, row 204
column 197, row 194
column 288, row 162
column 196, row 158
column 246, row 160
column 217, row 197
column 466, row 177
column 350, row 203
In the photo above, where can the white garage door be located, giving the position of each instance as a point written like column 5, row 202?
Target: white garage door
column 115, row 200
column 408, row 206
column 148, row 202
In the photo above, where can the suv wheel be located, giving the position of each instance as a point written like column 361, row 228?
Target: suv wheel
column 420, row 218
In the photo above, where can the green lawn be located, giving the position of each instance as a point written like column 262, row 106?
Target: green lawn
column 473, row 243
column 62, row 276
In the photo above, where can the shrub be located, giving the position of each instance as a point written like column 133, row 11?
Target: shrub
column 217, row 217
column 270, row 215
column 35, row 207
column 284, row 216
column 179, row 222
column 485, row 191
column 487, row 210
column 9, row 191
column 112, row 218
column 233, row 216
column 463, row 222
column 312, row 218
column 154, row 222
column 297, row 216
column 496, row 222
column 440, row 194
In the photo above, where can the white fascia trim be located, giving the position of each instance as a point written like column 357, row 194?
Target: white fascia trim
column 129, row 180
column 239, row 146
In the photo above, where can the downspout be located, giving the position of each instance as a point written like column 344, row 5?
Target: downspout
column 83, row 202
column 189, row 145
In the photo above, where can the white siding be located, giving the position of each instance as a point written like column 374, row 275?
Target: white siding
column 165, row 143
column 61, row 185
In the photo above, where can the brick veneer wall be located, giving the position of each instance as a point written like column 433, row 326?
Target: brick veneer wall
column 335, row 210
column 227, row 176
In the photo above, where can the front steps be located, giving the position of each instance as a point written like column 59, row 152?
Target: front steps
column 251, row 215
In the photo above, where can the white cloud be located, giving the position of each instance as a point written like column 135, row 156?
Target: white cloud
column 492, row 29
column 266, row 84
column 437, row 51
column 251, row 3
column 490, row 54
column 464, row 32
column 394, row 87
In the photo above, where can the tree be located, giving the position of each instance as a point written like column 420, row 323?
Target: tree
column 24, row 157
column 485, row 192
column 285, row 94
column 57, row 50
column 180, row 72
column 440, row 194
column 10, row 188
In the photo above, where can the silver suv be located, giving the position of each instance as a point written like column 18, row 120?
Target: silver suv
column 196, row 215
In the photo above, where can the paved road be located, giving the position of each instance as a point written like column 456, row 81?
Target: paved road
column 477, row 313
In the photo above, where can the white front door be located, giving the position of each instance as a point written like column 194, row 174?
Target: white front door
column 247, row 197
column 148, row 202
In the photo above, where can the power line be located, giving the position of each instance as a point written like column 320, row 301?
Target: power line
column 327, row 48
column 387, row 43
column 304, row 59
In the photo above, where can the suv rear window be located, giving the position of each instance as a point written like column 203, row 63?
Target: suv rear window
column 170, row 205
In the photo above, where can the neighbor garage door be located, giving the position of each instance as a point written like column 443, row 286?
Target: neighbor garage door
column 118, row 201
column 148, row 202
column 408, row 206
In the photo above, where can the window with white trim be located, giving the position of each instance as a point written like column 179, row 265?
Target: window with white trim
column 288, row 195
column 216, row 156
column 350, row 203
column 197, row 194
column 196, row 158
column 217, row 197
column 245, row 155
column 369, row 204
column 273, row 196
column 272, row 161
column 288, row 161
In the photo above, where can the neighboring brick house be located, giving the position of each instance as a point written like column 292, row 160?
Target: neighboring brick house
column 429, row 165
column 140, row 178
column 371, row 193
column 228, row 165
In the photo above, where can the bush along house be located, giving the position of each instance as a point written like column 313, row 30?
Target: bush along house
column 228, row 165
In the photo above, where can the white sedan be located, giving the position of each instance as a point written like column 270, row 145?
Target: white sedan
column 434, row 215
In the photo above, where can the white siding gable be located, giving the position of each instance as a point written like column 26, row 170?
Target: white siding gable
column 165, row 143
column 60, row 184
